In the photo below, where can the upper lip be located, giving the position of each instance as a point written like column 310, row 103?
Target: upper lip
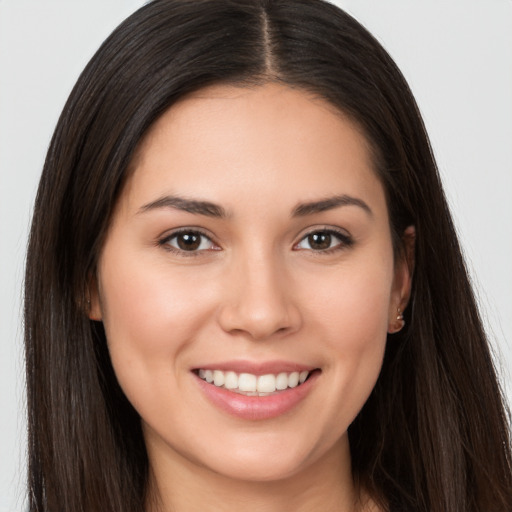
column 256, row 367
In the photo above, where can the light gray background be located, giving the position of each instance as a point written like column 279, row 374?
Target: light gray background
column 456, row 54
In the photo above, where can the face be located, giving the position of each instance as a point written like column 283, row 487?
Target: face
column 251, row 246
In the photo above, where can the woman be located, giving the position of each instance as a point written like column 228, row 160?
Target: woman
column 244, row 289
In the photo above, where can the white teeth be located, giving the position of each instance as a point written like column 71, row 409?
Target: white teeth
column 282, row 381
column 230, row 380
column 247, row 382
column 218, row 378
column 293, row 380
column 266, row 383
column 253, row 385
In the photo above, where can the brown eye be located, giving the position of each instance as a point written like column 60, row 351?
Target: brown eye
column 188, row 241
column 320, row 241
column 325, row 240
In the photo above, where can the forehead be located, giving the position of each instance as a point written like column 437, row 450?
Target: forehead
column 262, row 140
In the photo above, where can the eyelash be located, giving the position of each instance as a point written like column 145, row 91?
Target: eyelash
column 165, row 242
column 345, row 241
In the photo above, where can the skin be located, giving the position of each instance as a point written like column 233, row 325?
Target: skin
column 255, row 290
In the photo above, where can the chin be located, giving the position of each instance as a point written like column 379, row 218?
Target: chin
column 267, row 459
column 261, row 469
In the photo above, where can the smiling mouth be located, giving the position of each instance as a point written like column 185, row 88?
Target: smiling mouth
column 249, row 384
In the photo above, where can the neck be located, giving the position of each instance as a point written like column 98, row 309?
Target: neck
column 180, row 485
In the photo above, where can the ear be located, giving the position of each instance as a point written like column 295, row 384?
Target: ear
column 402, row 282
column 93, row 301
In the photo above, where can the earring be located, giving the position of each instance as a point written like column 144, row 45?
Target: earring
column 400, row 319
column 399, row 323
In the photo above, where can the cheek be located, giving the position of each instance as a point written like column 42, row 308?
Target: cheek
column 150, row 317
column 147, row 304
column 353, row 303
column 353, row 317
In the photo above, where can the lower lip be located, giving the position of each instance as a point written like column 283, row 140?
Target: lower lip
column 257, row 407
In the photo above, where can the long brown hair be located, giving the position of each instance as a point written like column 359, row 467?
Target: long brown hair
column 433, row 435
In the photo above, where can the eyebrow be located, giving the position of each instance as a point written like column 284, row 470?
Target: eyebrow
column 214, row 210
column 187, row 205
column 329, row 203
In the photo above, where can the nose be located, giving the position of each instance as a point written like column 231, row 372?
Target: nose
column 258, row 300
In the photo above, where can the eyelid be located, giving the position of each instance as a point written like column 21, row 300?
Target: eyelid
column 346, row 239
column 164, row 239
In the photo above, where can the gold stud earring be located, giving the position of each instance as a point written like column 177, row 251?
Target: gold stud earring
column 399, row 322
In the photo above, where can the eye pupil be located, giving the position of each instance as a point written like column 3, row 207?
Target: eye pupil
column 188, row 241
column 319, row 241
